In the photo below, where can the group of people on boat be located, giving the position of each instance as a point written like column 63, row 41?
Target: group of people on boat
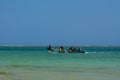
column 70, row 50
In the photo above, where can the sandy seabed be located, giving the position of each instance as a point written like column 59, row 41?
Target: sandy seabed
column 28, row 73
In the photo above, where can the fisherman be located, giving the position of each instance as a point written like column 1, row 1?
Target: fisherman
column 71, row 49
column 61, row 49
column 80, row 50
column 49, row 48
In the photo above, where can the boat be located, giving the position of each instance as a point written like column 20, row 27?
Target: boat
column 66, row 51
column 71, row 50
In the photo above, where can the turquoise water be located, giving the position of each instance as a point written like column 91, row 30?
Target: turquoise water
column 28, row 63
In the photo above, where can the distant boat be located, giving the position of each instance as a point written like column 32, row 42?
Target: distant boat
column 79, row 50
column 67, row 51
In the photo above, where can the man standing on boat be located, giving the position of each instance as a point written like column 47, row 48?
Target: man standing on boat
column 49, row 48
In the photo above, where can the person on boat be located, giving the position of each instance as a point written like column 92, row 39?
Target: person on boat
column 50, row 48
column 61, row 49
column 74, row 49
column 71, row 49
column 80, row 50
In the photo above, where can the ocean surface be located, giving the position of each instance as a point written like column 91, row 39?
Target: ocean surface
column 36, row 63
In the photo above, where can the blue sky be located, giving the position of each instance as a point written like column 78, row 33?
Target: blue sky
column 60, row 22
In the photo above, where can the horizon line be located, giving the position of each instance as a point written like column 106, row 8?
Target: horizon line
column 64, row 45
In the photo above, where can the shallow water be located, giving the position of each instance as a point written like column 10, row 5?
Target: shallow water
column 35, row 63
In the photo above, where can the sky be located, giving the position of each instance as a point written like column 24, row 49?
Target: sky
column 60, row 22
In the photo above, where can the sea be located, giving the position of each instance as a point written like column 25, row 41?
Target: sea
column 36, row 63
